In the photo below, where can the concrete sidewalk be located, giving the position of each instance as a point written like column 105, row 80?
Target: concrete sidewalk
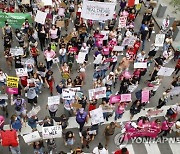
column 169, row 11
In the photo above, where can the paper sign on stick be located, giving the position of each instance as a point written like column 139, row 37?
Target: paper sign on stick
column 40, row 17
column 145, row 96
column 32, row 137
column 52, row 132
column 69, row 93
column 140, row 65
column 125, row 97
column 96, row 116
column 114, row 99
column 53, row 100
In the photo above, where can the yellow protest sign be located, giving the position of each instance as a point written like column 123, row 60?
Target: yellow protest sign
column 12, row 82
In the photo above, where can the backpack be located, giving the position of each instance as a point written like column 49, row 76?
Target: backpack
column 9, row 138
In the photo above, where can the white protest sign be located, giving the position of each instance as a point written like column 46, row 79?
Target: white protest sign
column 40, row 17
column 25, row 2
column 175, row 91
column 55, row 17
column 140, row 65
column 122, row 22
column 81, row 57
column 32, row 137
column 129, row 41
column 52, row 132
column 96, row 116
column 159, row 40
column 3, row 96
column 21, row 72
column 105, row 33
column 53, row 100
column 97, row 93
column 28, row 61
column 136, row 2
column 97, row 10
column 98, row 59
column 69, row 93
column 56, row 60
column 33, row 112
column 18, row 51
column 118, row 48
column 165, row 71
column 61, row 11
column 47, row 2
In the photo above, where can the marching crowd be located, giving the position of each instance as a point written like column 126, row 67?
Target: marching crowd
column 45, row 44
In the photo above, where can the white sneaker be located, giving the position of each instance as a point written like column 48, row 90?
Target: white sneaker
column 80, row 134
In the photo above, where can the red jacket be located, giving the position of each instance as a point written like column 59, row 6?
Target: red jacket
column 178, row 64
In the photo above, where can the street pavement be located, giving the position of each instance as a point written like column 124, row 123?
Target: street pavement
column 160, row 148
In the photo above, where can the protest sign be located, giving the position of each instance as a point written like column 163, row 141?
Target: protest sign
column 61, row 11
column 28, row 61
column 3, row 96
column 40, row 17
column 34, row 111
column 118, row 48
column 76, row 105
column 175, row 91
column 21, row 72
column 122, row 21
column 105, row 34
column 97, row 10
column 68, row 38
column 136, row 2
column 81, row 57
column 62, row 4
column 97, row 93
column 129, row 41
column 108, row 60
column 140, row 65
column 12, row 82
column 131, row 88
column 73, row 49
column 145, row 96
column 18, row 51
column 114, row 99
column 52, row 132
column 69, row 93
column 56, row 60
column 125, row 97
column 60, row 23
column 14, row 19
column 55, row 17
column 53, row 100
column 32, row 137
column 98, row 59
column 47, row 2
column 165, row 71
column 96, row 116
column 25, row 2
column 12, row 90
column 159, row 40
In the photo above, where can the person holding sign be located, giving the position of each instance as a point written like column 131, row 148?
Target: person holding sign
column 49, row 56
column 49, row 80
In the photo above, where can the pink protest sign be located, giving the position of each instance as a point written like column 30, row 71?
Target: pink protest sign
column 114, row 99
column 125, row 97
column 145, row 96
column 108, row 60
column 73, row 49
column 98, row 36
column 12, row 90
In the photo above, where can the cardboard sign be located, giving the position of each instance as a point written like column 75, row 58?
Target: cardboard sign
column 32, row 137
column 165, row 71
column 69, row 93
column 114, row 99
column 145, row 96
column 12, row 90
column 97, row 93
column 96, row 116
column 17, row 51
column 3, row 96
column 53, row 100
column 56, row 60
column 126, row 98
column 122, row 21
column 60, row 23
column 118, row 48
column 140, row 65
column 76, row 105
column 68, row 38
column 61, row 11
column 62, row 4
column 12, row 82
column 52, row 132
column 33, row 112
column 25, row 2
column 40, row 17
column 21, row 72
column 159, row 40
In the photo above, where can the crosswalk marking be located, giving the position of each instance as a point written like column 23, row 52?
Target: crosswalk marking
column 152, row 148
column 175, row 148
